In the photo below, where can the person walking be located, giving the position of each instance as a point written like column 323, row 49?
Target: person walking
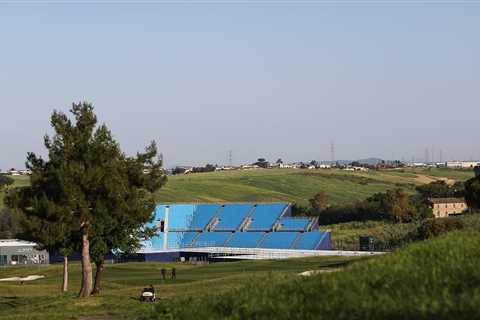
column 164, row 274
column 174, row 274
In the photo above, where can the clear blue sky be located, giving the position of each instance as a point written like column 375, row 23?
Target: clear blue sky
column 264, row 80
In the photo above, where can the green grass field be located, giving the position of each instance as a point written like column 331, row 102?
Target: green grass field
column 296, row 185
column 122, row 284
column 435, row 279
column 291, row 185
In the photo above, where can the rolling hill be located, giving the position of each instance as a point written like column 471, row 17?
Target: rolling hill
column 296, row 185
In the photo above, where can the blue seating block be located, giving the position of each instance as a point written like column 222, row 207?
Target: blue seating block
column 212, row 239
column 231, row 216
column 245, row 239
column 309, row 240
column 203, row 214
column 294, row 224
column 265, row 215
column 279, row 240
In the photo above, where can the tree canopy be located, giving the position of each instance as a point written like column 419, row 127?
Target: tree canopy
column 89, row 194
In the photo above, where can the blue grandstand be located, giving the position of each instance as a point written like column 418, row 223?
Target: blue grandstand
column 212, row 239
column 293, row 224
column 263, row 226
column 279, row 240
column 231, row 216
column 265, row 215
column 203, row 214
column 246, row 239
column 311, row 240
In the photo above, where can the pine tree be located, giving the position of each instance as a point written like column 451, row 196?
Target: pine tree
column 91, row 186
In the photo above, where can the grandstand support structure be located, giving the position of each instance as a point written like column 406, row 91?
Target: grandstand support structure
column 245, row 224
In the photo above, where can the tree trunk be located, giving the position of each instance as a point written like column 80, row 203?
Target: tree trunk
column 98, row 274
column 65, row 274
column 86, row 288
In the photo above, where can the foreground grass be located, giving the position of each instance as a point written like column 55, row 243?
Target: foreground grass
column 435, row 279
column 387, row 236
column 123, row 282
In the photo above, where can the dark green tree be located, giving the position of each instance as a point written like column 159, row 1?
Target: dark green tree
column 472, row 192
column 262, row 163
column 91, row 186
column 10, row 224
column 319, row 202
column 394, row 205
column 46, row 209
column 120, row 227
column 5, row 181
column 436, row 189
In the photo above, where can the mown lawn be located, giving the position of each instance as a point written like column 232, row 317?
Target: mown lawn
column 122, row 284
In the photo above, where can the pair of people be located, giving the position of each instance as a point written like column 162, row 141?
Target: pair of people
column 173, row 274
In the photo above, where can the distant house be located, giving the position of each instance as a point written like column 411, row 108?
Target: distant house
column 13, row 172
column 462, row 164
column 444, row 207
column 250, row 166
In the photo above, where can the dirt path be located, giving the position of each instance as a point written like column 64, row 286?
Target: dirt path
column 424, row 179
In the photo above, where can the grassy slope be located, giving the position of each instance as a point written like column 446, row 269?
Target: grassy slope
column 290, row 185
column 436, row 279
column 294, row 185
column 123, row 282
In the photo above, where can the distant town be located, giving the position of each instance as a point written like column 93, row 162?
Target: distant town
column 262, row 163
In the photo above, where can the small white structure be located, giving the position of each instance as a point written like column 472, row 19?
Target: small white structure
column 462, row 164
column 20, row 252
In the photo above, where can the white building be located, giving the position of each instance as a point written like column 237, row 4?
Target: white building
column 462, row 164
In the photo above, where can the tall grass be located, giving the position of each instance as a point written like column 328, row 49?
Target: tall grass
column 434, row 279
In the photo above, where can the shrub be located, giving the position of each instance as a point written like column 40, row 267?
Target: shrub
column 435, row 227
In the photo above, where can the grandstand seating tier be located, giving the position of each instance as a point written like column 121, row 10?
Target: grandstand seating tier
column 294, row 224
column 245, row 239
column 203, row 214
column 231, row 216
column 212, row 239
column 279, row 240
column 309, row 240
column 264, row 216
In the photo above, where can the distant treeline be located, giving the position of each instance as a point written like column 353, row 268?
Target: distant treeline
column 395, row 205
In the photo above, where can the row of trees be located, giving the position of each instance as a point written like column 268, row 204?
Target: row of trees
column 208, row 168
column 10, row 224
column 5, row 181
column 88, row 196
column 394, row 205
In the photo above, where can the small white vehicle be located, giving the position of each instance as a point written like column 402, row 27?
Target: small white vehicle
column 148, row 295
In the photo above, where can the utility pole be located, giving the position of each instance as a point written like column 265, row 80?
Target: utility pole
column 332, row 152
column 230, row 158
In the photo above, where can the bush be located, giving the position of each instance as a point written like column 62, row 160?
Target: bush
column 435, row 227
